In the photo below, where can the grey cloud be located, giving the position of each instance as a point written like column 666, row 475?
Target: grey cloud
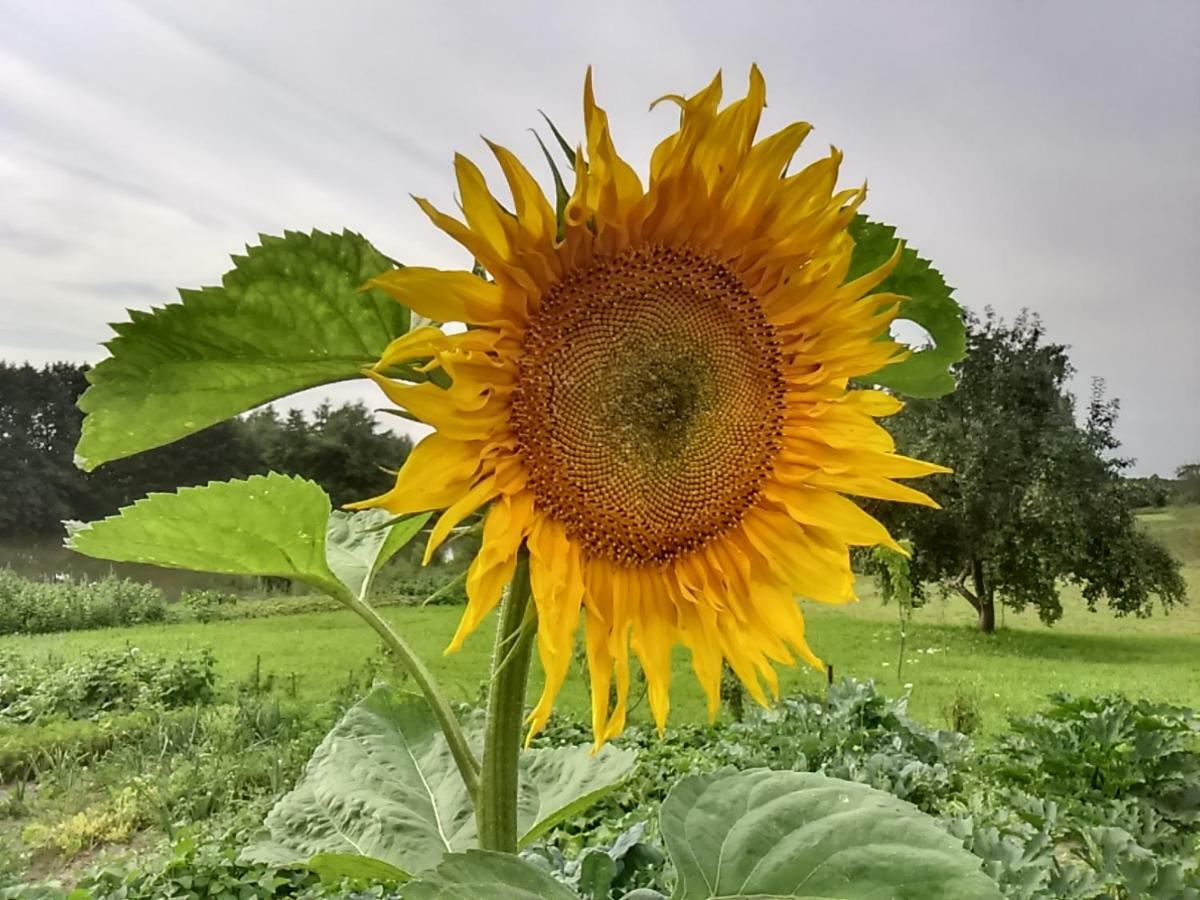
column 31, row 242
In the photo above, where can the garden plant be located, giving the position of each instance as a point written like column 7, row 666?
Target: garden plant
column 651, row 405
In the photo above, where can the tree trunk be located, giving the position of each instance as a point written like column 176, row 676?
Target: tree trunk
column 983, row 593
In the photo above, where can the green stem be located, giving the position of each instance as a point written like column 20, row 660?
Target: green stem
column 467, row 764
column 497, row 803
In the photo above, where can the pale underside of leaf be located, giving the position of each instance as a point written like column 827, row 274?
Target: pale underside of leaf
column 383, row 783
column 799, row 835
column 265, row 525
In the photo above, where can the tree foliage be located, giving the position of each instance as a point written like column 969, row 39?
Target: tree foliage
column 1035, row 497
column 1152, row 491
column 341, row 448
column 1187, row 483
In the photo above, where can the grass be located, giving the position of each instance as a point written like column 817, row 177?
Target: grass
column 1009, row 673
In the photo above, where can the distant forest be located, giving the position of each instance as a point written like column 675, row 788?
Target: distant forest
column 342, row 448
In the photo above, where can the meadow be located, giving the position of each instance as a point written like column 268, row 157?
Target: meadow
column 944, row 658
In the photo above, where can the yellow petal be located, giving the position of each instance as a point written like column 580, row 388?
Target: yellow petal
column 653, row 636
column 534, row 212
column 873, row 486
column 556, row 574
column 600, row 666
column 833, row 512
column 484, row 216
column 613, row 186
column 437, row 473
column 478, row 495
column 507, row 522
column 447, row 296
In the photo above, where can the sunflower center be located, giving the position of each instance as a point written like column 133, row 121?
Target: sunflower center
column 648, row 406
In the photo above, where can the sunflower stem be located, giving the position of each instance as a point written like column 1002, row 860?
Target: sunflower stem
column 464, row 758
column 497, row 801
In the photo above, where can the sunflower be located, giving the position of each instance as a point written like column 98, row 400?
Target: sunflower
column 654, row 397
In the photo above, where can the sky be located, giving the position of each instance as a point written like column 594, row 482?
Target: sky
column 1043, row 155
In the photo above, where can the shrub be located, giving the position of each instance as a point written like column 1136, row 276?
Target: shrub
column 207, row 606
column 1093, row 751
column 446, row 588
column 39, row 607
column 103, row 681
column 1095, row 797
column 853, row 733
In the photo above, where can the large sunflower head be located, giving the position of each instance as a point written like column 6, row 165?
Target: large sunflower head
column 654, row 396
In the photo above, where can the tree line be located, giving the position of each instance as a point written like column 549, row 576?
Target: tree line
column 342, row 448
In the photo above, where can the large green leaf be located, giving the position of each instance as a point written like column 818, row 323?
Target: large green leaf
column 483, row 875
column 384, row 784
column 287, row 317
column 926, row 372
column 560, row 782
column 794, row 835
column 265, row 525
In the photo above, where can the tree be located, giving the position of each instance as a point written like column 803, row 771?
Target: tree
column 1152, row 491
column 1187, row 483
column 343, row 448
column 39, row 426
column 1035, row 497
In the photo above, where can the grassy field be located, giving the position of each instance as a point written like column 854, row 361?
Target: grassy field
column 944, row 659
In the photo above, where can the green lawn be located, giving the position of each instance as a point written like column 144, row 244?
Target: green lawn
column 1007, row 673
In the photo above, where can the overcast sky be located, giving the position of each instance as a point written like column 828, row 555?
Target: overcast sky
column 1042, row 154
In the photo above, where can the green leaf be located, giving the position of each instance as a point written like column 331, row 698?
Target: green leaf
column 265, row 525
column 561, row 782
column 384, row 784
column 333, row 868
column 287, row 317
column 567, row 150
column 484, row 875
column 561, row 196
column 596, row 873
column 360, row 543
column 926, row 372
column 793, row 835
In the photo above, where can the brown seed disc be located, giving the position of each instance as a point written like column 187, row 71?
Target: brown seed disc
column 649, row 403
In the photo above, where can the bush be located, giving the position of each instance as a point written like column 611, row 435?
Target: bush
column 28, row 749
column 1095, row 797
column 208, row 606
column 418, row 587
column 102, row 681
column 40, row 607
column 853, row 733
